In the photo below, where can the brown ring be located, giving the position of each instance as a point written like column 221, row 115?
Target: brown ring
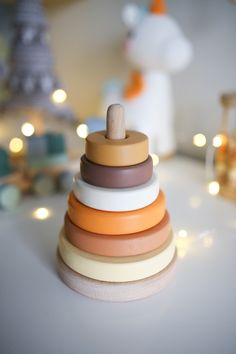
column 118, row 245
column 116, row 177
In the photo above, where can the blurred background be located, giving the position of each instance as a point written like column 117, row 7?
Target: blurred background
column 94, row 35
column 87, row 39
column 57, row 59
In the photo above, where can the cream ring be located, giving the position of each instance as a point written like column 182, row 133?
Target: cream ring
column 116, row 199
column 116, row 292
column 116, row 269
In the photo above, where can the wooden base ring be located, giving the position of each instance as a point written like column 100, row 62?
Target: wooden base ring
column 118, row 245
column 116, row 223
column 116, row 177
column 115, row 292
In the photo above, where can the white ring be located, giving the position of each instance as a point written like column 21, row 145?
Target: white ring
column 116, row 269
column 116, row 199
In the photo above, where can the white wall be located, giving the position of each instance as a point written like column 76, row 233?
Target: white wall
column 87, row 42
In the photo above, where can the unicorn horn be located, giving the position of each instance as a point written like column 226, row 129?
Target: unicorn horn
column 158, row 7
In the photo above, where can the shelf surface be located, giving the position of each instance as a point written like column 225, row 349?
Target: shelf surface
column 196, row 313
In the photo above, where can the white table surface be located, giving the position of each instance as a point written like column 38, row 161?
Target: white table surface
column 196, row 313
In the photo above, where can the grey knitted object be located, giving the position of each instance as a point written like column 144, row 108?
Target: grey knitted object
column 31, row 79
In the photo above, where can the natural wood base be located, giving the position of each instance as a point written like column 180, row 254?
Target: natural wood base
column 115, row 292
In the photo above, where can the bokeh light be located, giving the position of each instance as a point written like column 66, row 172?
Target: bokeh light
column 41, row 213
column 195, row 202
column 183, row 245
column 208, row 241
column 59, row 96
column 82, row 131
column 155, row 159
column 199, row 140
column 213, row 187
column 16, row 145
column 27, row 129
column 182, row 233
column 217, row 141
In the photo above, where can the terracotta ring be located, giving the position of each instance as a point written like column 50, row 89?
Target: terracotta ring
column 116, row 223
column 125, row 152
column 116, row 269
column 116, row 177
column 118, row 245
column 116, row 199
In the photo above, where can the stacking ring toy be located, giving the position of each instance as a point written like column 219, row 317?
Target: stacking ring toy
column 116, row 199
column 116, row 223
column 116, row 177
column 114, row 147
column 116, row 269
column 115, row 292
column 118, row 245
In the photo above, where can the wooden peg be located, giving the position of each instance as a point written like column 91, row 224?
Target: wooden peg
column 115, row 122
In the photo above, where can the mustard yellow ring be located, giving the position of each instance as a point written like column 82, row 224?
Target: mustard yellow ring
column 125, row 152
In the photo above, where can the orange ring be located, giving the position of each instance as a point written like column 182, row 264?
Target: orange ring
column 116, row 223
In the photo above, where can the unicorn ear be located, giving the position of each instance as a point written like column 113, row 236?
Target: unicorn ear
column 130, row 15
column 158, row 7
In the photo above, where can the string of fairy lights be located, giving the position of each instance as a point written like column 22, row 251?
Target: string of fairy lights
column 199, row 140
column 16, row 144
column 185, row 239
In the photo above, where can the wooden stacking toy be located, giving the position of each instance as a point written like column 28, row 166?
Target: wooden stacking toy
column 116, row 243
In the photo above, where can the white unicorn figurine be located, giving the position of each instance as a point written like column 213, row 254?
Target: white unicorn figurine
column 155, row 47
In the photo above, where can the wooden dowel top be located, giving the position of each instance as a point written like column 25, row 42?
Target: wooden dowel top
column 115, row 122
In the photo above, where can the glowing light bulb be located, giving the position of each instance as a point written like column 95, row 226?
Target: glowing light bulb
column 82, row 131
column 155, row 159
column 217, row 141
column 41, row 213
column 213, row 187
column 59, row 96
column 199, row 140
column 27, row 129
column 182, row 233
column 16, row 145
